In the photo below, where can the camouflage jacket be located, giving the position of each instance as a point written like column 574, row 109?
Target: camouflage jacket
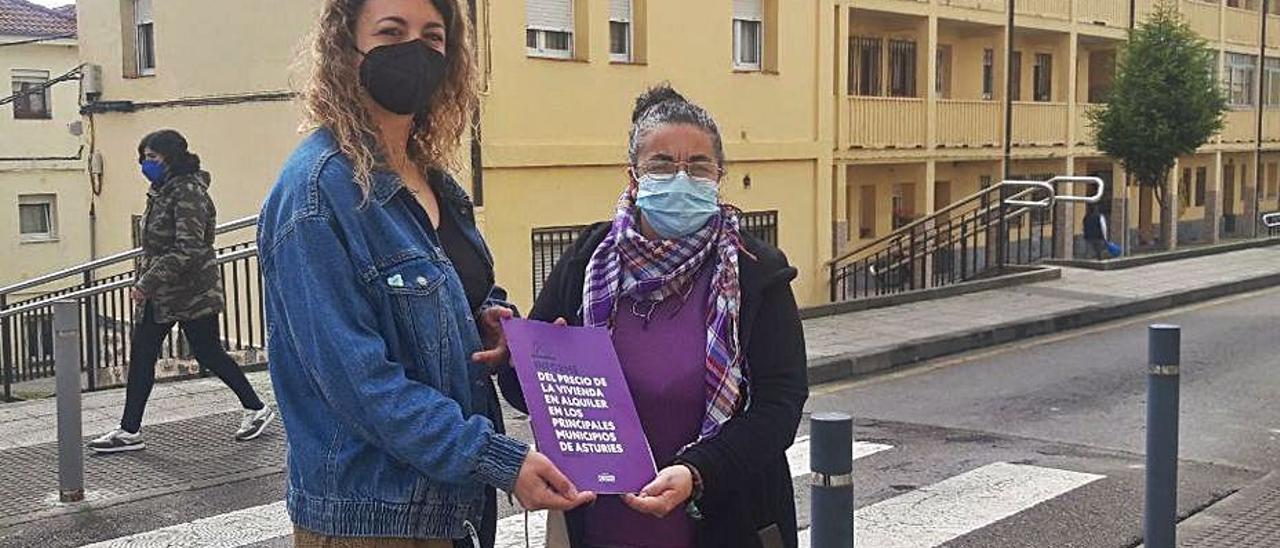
column 179, row 270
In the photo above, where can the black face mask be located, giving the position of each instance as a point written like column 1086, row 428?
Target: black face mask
column 403, row 77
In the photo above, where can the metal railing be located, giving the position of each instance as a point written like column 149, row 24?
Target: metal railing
column 979, row 236
column 1272, row 222
column 107, row 314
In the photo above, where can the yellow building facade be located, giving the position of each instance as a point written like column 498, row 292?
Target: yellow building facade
column 921, row 105
column 44, row 191
column 555, row 118
column 842, row 118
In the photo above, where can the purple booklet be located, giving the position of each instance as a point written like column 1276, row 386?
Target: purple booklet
column 580, row 408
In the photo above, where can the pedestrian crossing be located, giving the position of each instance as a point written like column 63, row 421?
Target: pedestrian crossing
column 922, row 518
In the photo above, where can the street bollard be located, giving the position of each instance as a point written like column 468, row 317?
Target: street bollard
column 831, row 461
column 66, row 365
column 1163, row 353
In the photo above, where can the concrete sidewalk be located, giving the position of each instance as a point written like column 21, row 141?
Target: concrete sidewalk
column 191, row 416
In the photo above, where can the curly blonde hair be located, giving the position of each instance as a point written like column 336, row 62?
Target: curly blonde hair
column 332, row 97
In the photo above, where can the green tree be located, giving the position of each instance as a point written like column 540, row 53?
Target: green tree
column 1166, row 102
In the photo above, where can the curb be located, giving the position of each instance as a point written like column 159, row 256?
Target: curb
column 854, row 365
column 1165, row 256
column 1022, row 275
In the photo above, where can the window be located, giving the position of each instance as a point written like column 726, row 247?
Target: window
column 864, row 66
column 549, row 28
column 942, row 72
column 1202, row 180
column 748, row 34
column 620, row 31
column 1239, row 72
column 902, row 68
column 144, row 37
column 1184, row 188
column 32, row 101
column 1015, row 76
column 1043, row 75
column 1273, row 185
column 988, row 74
column 1271, row 84
column 37, row 218
column 903, row 203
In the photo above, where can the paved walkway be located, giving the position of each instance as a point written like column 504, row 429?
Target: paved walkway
column 185, row 415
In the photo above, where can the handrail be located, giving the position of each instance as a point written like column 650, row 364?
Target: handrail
column 1271, row 220
column 1099, row 189
column 111, row 260
column 96, row 290
column 1031, row 186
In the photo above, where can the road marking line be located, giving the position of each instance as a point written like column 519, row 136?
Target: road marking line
column 511, row 533
column 229, row 530
column 938, row 513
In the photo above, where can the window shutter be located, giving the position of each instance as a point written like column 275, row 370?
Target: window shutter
column 620, row 10
column 750, row 10
column 554, row 15
column 142, row 11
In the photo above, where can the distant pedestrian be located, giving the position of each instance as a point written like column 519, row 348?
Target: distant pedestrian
column 178, row 282
column 1095, row 233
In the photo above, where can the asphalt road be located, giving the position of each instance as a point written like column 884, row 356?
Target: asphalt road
column 1070, row 404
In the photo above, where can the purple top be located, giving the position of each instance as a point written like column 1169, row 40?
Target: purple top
column 664, row 361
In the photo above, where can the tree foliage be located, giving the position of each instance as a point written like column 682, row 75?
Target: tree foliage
column 1166, row 101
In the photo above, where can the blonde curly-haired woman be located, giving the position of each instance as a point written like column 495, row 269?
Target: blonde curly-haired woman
column 382, row 312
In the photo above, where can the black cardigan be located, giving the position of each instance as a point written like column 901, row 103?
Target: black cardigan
column 747, row 483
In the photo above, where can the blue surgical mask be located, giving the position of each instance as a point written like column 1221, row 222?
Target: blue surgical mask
column 153, row 170
column 677, row 207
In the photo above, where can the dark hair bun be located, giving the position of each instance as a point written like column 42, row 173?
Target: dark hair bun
column 655, row 96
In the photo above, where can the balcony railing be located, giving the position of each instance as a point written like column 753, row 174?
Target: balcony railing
column 1107, row 12
column 1240, row 126
column 1273, row 31
column 1085, row 134
column 1271, row 125
column 1039, row 124
column 1143, row 8
column 969, row 123
column 985, row 5
column 1203, row 17
column 887, row 122
column 1242, row 26
column 1051, row 9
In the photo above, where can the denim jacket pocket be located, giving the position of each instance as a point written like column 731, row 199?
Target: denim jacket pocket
column 414, row 288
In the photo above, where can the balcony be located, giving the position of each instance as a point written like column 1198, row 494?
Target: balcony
column 984, row 5
column 887, row 122
column 1240, row 126
column 1107, row 12
column 1203, row 17
column 969, row 123
column 1273, row 31
column 1050, row 9
column 1271, row 125
column 1242, row 26
column 1039, row 124
column 1085, row 135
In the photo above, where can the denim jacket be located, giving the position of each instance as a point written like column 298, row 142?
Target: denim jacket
column 369, row 340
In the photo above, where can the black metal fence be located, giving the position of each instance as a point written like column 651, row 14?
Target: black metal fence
column 974, row 238
column 108, row 316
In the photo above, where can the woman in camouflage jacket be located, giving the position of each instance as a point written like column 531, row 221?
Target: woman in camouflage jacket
column 178, row 282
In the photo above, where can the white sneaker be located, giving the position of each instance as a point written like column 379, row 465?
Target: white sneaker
column 254, row 422
column 117, row 441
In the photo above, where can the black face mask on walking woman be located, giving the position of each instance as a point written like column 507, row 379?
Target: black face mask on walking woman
column 403, row 77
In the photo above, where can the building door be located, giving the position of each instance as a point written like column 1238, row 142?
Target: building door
column 1229, row 199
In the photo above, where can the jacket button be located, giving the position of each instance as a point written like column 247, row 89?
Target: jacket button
column 422, row 281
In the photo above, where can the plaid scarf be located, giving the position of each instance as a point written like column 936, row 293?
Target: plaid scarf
column 628, row 264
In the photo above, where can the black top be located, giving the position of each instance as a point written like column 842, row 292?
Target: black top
column 747, row 482
column 466, row 259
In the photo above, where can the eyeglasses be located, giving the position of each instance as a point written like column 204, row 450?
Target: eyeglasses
column 663, row 170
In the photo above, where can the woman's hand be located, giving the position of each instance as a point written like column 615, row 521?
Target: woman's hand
column 496, row 353
column 541, row 486
column 672, row 487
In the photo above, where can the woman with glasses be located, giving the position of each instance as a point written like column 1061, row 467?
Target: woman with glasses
column 706, row 327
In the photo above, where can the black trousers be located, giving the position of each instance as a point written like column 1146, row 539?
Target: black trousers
column 202, row 334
